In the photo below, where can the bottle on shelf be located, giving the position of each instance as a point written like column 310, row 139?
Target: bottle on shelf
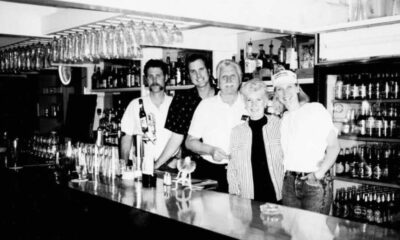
column 241, row 61
column 250, row 62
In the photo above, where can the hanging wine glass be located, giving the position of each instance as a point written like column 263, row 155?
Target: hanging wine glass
column 177, row 35
column 94, row 40
column 143, row 34
column 120, row 41
column 153, row 35
column 165, row 34
column 68, row 48
column 55, row 54
column 85, row 52
column 131, row 33
column 103, row 49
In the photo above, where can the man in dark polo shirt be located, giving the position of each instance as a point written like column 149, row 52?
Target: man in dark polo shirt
column 183, row 105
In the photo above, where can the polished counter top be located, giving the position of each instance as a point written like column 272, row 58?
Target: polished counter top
column 230, row 215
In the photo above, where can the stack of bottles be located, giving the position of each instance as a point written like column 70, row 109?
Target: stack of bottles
column 176, row 72
column 110, row 126
column 371, row 86
column 40, row 148
column 371, row 204
column 116, row 77
column 370, row 162
column 380, row 121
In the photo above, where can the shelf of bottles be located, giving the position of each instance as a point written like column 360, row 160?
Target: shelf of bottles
column 375, row 164
column 372, row 103
column 370, row 204
column 109, row 130
column 39, row 148
column 122, row 78
column 49, row 111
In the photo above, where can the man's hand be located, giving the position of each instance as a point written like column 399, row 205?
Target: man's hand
column 218, row 154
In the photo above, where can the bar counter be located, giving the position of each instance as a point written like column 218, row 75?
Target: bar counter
column 36, row 206
column 223, row 215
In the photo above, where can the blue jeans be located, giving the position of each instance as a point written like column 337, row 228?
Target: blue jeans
column 312, row 195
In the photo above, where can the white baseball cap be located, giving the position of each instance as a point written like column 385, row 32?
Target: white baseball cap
column 284, row 77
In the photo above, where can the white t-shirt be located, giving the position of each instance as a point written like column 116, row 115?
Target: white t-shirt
column 304, row 134
column 130, row 123
column 213, row 121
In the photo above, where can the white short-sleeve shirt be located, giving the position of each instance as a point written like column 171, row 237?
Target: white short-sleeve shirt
column 130, row 123
column 304, row 134
column 213, row 121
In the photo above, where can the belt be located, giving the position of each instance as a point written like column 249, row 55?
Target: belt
column 296, row 174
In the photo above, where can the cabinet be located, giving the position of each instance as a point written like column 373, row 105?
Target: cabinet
column 363, row 98
column 52, row 98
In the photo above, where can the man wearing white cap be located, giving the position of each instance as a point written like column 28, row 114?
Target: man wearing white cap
column 310, row 147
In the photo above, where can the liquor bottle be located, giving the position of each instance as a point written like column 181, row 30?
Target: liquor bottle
column 143, row 117
column 172, row 77
column 179, row 66
column 339, row 88
column 250, row 62
column 241, row 61
column 386, row 86
column 392, row 121
column 346, row 87
column 261, row 58
column 291, row 54
column 370, row 124
column 378, row 86
column 385, row 163
column 370, row 86
column 282, row 54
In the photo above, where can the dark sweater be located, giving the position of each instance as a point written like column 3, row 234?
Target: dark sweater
column 263, row 187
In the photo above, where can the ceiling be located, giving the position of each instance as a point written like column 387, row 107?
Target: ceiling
column 40, row 18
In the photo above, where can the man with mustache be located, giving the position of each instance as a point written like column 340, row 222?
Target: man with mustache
column 156, row 106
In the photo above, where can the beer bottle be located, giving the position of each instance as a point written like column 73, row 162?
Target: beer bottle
column 377, row 171
column 357, row 208
column 378, row 86
column 368, row 162
column 339, row 163
column 361, row 164
column 337, row 203
column 363, row 86
column 355, row 93
column 143, row 117
column 354, row 163
column 345, row 206
column 370, row 209
column 370, row 86
column 378, row 210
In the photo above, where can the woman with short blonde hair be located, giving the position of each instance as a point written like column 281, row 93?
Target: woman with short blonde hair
column 255, row 149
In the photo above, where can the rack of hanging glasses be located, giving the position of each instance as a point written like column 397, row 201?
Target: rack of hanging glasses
column 120, row 37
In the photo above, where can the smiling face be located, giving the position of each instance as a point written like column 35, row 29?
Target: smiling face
column 287, row 94
column 155, row 79
column 255, row 103
column 198, row 73
column 228, row 80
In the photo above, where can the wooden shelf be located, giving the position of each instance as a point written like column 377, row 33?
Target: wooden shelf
column 368, row 182
column 138, row 89
column 369, row 139
column 371, row 101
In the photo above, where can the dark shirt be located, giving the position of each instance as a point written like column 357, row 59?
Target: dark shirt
column 181, row 112
column 263, row 187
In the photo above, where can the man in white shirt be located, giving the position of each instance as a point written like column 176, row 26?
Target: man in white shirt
column 156, row 106
column 212, row 122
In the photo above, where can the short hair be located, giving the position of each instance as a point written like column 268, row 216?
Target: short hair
column 195, row 57
column 155, row 63
column 254, row 85
column 226, row 63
